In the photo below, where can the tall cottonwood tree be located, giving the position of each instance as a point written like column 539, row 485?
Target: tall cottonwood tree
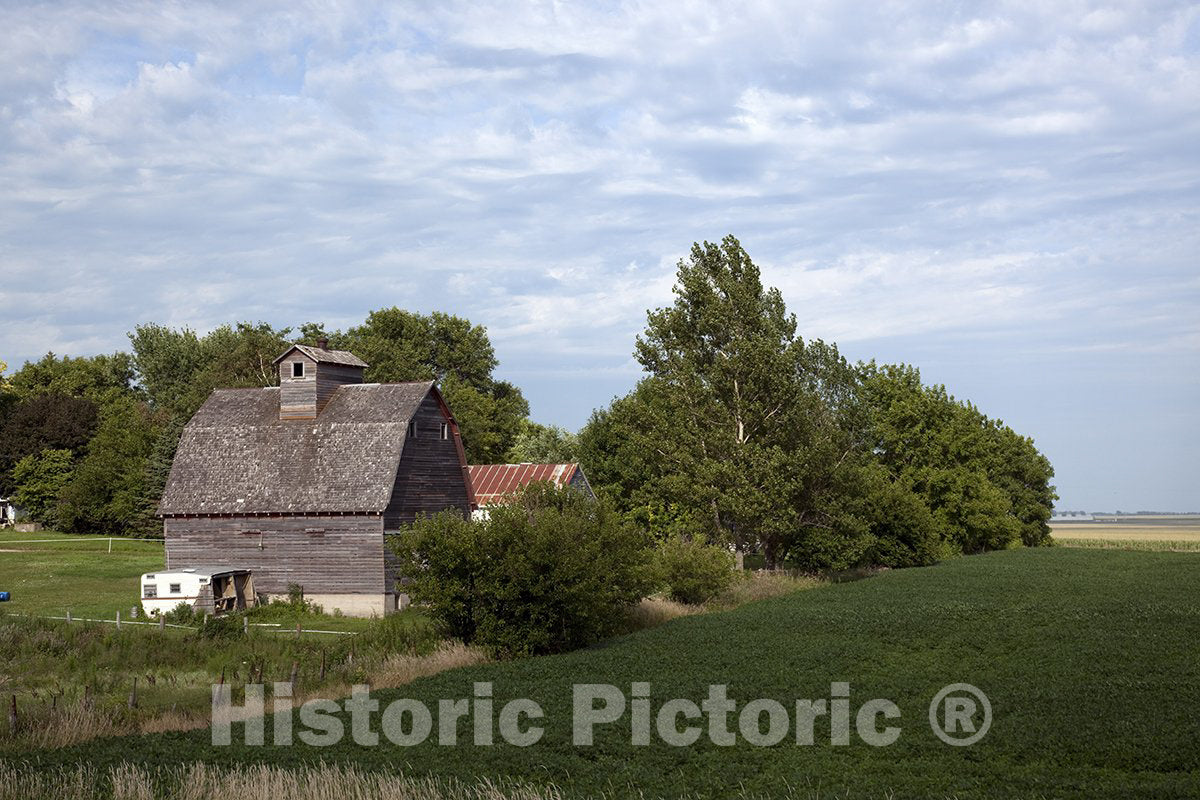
column 750, row 425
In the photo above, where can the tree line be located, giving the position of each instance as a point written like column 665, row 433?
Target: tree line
column 745, row 432
column 86, row 443
column 740, row 432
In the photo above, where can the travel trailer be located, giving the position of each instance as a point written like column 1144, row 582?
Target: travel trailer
column 214, row 590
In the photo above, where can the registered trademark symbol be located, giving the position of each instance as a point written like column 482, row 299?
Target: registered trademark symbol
column 952, row 714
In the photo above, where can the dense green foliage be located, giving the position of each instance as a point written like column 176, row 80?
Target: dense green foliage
column 746, row 433
column 1093, row 691
column 551, row 572
column 48, row 421
column 543, row 444
column 693, row 571
column 41, row 478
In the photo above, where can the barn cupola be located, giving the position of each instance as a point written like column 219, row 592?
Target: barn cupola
column 308, row 377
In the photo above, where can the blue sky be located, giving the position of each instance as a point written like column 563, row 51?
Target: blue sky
column 1006, row 196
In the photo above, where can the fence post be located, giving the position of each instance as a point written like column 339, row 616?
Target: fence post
column 68, row 616
column 245, row 625
column 110, row 544
column 297, row 630
column 162, row 622
column 118, row 620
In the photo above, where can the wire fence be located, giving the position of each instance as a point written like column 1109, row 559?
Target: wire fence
column 275, row 627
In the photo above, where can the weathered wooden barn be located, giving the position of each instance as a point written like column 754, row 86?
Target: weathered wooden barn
column 303, row 482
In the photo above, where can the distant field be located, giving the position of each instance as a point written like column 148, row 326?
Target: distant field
column 1143, row 533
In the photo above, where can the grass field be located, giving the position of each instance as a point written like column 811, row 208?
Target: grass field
column 49, row 574
column 1090, row 659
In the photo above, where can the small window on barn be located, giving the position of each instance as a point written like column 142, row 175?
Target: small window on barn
column 175, row 588
column 445, row 430
column 297, row 369
column 150, row 590
column 412, row 430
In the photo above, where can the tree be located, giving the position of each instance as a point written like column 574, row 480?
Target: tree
column 43, row 422
column 986, row 487
column 748, row 427
column 107, row 490
column 543, row 444
column 179, row 369
column 40, row 479
column 95, row 378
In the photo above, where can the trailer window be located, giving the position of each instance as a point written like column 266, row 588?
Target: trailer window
column 175, row 589
column 150, row 590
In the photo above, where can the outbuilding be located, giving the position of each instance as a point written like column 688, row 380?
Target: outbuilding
column 496, row 484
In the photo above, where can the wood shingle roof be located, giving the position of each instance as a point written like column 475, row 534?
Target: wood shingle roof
column 237, row 457
column 324, row 356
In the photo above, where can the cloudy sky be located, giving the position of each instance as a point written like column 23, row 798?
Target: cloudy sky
column 1006, row 196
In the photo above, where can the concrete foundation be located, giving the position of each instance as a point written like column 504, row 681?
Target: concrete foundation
column 351, row 605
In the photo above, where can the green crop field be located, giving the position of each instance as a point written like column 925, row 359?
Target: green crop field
column 1090, row 660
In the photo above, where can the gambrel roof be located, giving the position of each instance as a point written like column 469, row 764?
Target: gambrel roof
column 237, row 457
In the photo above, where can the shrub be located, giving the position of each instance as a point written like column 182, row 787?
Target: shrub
column 182, row 614
column 553, row 571
column 693, row 571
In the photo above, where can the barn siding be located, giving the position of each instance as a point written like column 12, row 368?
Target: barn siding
column 325, row 555
column 431, row 476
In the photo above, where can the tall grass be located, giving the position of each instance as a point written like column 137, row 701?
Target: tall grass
column 760, row 585
column 202, row 782
column 749, row 587
column 73, row 682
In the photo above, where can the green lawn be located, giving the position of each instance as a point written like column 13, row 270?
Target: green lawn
column 1090, row 659
column 74, row 572
column 49, row 573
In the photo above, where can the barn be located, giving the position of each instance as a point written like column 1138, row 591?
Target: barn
column 303, row 482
